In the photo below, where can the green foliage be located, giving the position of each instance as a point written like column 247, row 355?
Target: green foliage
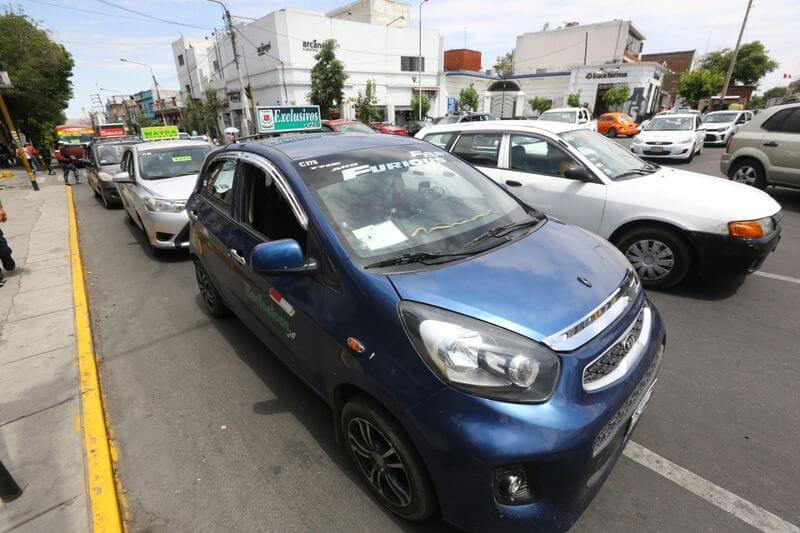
column 759, row 101
column 752, row 63
column 468, row 98
column 40, row 70
column 540, row 105
column 616, row 96
column 367, row 104
column 416, row 102
column 202, row 115
column 697, row 84
column 574, row 99
column 327, row 79
column 505, row 64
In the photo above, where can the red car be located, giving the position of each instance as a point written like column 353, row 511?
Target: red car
column 346, row 126
column 385, row 127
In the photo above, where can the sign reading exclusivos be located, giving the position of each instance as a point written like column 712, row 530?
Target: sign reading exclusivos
column 282, row 119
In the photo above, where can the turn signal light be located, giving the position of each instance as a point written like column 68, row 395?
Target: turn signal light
column 750, row 229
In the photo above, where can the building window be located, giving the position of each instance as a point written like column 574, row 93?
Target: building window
column 541, row 70
column 188, row 89
column 411, row 64
column 216, row 66
column 180, row 59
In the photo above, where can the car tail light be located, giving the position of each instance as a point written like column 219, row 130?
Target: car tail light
column 728, row 144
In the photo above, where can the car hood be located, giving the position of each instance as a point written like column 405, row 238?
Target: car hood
column 701, row 196
column 171, row 188
column 530, row 286
column 717, row 125
column 659, row 136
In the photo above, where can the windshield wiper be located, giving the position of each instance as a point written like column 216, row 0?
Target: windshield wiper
column 501, row 231
column 644, row 171
column 418, row 257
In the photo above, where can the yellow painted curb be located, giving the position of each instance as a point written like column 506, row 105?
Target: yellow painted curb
column 103, row 501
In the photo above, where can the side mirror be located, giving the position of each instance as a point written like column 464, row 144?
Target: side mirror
column 283, row 256
column 122, row 177
column 577, row 174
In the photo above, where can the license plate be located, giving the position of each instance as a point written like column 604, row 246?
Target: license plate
column 637, row 413
column 656, row 149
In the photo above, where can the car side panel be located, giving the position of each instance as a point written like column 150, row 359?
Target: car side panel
column 784, row 158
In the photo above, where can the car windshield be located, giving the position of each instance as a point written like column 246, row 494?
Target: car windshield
column 625, row 118
column 670, row 124
column 716, row 118
column 171, row 162
column 612, row 159
column 110, row 154
column 449, row 119
column 387, row 202
column 559, row 116
column 354, row 127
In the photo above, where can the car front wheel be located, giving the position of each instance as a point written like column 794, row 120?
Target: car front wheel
column 659, row 255
column 212, row 300
column 612, row 132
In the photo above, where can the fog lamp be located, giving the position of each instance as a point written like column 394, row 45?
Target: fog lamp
column 511, row 486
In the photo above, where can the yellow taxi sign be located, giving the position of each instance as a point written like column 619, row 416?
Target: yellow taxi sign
column 158, row 133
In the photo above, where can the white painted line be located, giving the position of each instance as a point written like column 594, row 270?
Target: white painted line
column 727, row 501
column 777, row 276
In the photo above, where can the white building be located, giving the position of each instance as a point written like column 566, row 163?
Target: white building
column 277, row 53
column 195, row 62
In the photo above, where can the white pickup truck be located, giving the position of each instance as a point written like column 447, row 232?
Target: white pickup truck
column 571, row 115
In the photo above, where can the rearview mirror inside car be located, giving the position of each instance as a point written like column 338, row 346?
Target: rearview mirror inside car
column 283, row 256
column 578, row 174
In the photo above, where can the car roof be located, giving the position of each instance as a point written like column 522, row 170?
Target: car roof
column 541, row 125
column 677, row 115
column 337, row 121
column 309, row 145
column 563, row 109
column 173, row 143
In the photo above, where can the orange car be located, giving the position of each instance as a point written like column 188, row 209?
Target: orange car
column 613, row 124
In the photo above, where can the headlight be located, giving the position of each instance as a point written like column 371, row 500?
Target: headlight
column 164, row 206
column 637, row 140
column 687, row 140
column 480, row 358
column 751, row 229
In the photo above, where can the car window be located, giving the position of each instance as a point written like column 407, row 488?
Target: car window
column 266, row 210
column 774, row 122
column 439, row 139
column 612, row 159
column 354, row 127
column 792, row 122
column 717, row 118
column 160, row 163
column 325, row 127
column 538, row 156
column 218, row 183
column 109, row 154
column 480, row 149
column 667, row 123
column 559, row 116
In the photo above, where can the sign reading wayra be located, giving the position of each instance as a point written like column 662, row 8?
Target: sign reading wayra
column 282, row 119
column 157, row 133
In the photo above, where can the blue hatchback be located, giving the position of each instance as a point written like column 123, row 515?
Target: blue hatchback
column 480, row 358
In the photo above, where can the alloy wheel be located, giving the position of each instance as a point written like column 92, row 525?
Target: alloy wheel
column 379, row 462
column 652, row 259
column 203, row 285
column 746, row 174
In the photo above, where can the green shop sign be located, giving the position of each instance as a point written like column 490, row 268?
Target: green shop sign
column 157, row 133
column 282, row 119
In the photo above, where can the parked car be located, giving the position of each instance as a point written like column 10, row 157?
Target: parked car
column 456, row 118
column 413, row 126
column 667, row 222
column 346, row 126
column 672, row 136
column 155, row 181
column 479, row 357
column 766, row 150
column 719, row 126
column 578, row 116
column 390, row 129
column 613, row 124
column 104, row 162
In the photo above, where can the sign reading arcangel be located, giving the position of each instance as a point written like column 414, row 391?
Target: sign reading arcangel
column 157, row 133
column 282, row 119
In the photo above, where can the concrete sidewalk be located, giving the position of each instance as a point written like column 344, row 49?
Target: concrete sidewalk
column 41, row 442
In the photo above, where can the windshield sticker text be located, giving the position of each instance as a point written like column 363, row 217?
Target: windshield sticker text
column 418, row 159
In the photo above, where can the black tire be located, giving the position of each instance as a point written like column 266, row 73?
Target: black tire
column 691, row 155
column 749, row 172
column 647, row 245
column 106, row 202
column 612, row 132
column 406, row 478
column 212, row 301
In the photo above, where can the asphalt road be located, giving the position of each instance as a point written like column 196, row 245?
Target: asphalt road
column 214, row 433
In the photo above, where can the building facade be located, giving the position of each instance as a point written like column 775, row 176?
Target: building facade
column 195, row 63
column 676, row 64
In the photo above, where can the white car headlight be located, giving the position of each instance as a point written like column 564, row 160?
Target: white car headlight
column 164, row 206
column 637, row 139
column 687, row 140
column 479, row 357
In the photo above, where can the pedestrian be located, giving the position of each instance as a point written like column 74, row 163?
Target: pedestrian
column 5, row 252
column 47, row 157
column 4, row 156
column 67, row 161
column 30, row 155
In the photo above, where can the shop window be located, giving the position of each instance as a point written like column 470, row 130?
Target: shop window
column 411, row 64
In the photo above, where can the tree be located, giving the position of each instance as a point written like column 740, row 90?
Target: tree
column 574, row 99
column 327, row 79
column 758, row 101
column 540, row 105
column 40, row 70
column 366, row 104
column 468, row 98
column 616, row 96
column 416, row 102
column 697, row 84
column 505, row 64
column 752, row 63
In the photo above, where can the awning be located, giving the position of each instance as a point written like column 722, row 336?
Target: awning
column 426, row 89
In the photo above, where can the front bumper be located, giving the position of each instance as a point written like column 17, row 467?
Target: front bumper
column 722, row 254
column 166, row 230
column 466, row 439
column 717, row 137
column 669, row 151
column 725, row 163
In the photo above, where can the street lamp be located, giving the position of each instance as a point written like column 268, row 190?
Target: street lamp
column 155, row 82
column 419, row 61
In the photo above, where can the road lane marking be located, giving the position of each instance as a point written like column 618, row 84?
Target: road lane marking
column 777, row 276
column 727, row 501
column 103, row 501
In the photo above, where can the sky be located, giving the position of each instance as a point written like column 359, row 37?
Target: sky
column 98, row 34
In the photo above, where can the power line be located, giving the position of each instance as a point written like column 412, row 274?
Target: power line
column 153, row 17
column 84, row 10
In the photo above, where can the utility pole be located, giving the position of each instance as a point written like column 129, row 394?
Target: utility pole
column 419, row 62
column 155, row 83
column 733, row 59
column 15, row 136
column 245, row 102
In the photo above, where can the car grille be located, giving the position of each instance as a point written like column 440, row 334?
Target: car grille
column 606, row 363
column 659, row 143
column 650, row 152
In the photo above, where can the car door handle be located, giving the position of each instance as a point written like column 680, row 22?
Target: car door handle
column 236, row 256
column 193, row 214
column 771, row 144
column 513, row 183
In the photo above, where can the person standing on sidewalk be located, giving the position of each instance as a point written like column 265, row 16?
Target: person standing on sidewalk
column 30, row 155
column 44, row 153
column 67, row 163
column 5, row 252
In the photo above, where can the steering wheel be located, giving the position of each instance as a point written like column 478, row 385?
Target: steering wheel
column 431, row 194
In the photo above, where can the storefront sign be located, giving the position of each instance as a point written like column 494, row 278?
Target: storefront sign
column 105, row 131
column 312, row 46
column 603, row 75
column 281, row 119
column 158, row 133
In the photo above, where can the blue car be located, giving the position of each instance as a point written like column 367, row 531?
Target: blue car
column 480, row 358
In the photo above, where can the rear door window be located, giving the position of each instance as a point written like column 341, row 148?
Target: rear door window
column 218, row 184
column 440, row 139
column 480, row 149
column 774, row 122
column 791, row 123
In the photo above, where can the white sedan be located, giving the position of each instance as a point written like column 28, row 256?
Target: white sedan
column 578, row 116
column 673, row 136
column 667, row 222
